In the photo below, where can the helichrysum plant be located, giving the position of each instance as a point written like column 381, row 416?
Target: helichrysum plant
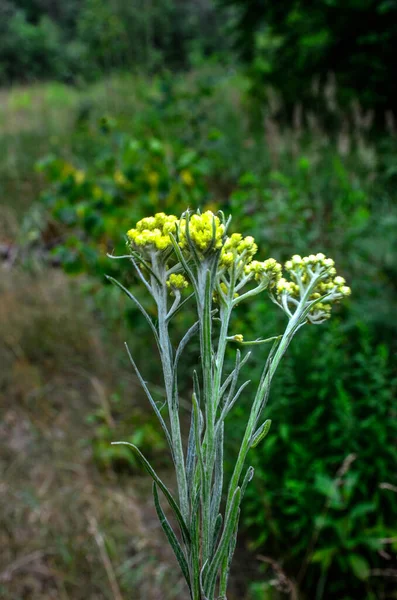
column 194, row 259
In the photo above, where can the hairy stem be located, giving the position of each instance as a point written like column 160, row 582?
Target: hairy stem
column 166, row 355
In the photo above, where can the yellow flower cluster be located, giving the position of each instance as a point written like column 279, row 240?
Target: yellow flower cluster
column 205, row 230
column 304, row 268
column 239, row 251
column 225, row 290
column 177, row 282
column 320, row 311
column 153, row 232
column 289, row 287
column 237, row 247
column 267, row 271
column 311, row 262
column 302, row 271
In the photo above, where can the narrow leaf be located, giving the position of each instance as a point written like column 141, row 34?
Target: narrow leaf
column 138, row 259
column 228, row 407
column 227, row 563
column 224, row 543
column 197, row 429
column 182, row 345
column 138, row 304
column 248, row 477
column 217, row 531
column 196, row 387
column 150, row 398
column 261, row 433
column 163, row 487
column 183, row 262
column 195, row 545
column 234, row 378
column 191, row 453
column 239, row 364
column 180, row 305
column 173, row 540
column 218, row 475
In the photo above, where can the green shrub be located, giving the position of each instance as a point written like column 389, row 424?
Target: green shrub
column 344, row 207
column 291, row 45
column 321, row 502
column 29, row 50
column 81, row 39
column 91, row 205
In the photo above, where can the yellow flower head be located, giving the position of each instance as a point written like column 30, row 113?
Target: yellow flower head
column 268, row 271
column 177, row 282
column 205, row 231
column 238, row 250
column 287, row 287
column 152, row 233
column 329, row 285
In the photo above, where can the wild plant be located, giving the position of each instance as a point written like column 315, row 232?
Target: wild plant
column 193, row 259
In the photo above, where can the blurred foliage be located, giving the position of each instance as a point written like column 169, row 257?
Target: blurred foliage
column 295, row 44
column 28, row 48
column 81, row 39
column 116, row 419
column 187, row 141
column 318, row 503
column 128, row 179
column 292, row 48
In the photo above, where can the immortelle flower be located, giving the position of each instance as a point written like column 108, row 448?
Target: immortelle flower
column 313, row 281
column 172, row 256
column 202, row 232
column 177, row 282
column 152, row 233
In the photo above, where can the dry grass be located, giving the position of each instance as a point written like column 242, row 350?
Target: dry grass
column 68, row 531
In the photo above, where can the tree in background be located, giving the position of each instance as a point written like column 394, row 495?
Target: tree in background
column 293, row 43
column 41, row 39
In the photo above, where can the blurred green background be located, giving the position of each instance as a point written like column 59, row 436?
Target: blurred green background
column 283, row 114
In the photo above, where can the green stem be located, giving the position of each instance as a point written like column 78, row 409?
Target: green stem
column 172, row 401
column 293, row 325
column 212, row 377
column 204, row 305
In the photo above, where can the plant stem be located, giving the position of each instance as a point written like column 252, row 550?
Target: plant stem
column 204, row 307
column 257, row 406
column 173, row 408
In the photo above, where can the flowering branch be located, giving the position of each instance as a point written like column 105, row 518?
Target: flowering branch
column 171, row 255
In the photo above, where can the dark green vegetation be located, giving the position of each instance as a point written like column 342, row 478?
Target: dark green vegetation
column 295, row 44
column 78, row 167
column 81, row 39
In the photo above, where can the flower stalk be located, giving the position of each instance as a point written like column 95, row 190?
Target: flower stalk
column 171, row 255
